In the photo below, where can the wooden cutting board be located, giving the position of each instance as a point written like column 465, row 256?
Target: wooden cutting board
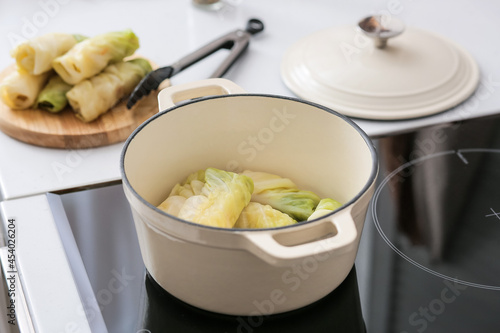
column 64, row 130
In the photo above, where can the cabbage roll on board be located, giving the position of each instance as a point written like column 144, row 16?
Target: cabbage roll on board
column 53, row 96
column 35, row 56
column 92, row 55
column 19, row 90
column 93, row 97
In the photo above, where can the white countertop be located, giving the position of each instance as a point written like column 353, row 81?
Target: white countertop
column 170, row 29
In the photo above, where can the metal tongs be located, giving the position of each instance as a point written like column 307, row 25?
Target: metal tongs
column 236, row 41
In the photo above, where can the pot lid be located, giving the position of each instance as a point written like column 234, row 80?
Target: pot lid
column 355, row 71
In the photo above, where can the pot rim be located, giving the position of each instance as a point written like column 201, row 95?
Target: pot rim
column 371, row 179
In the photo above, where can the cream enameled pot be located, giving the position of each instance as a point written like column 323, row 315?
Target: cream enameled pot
column 248, row 272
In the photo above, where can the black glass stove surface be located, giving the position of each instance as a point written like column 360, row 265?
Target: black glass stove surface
column 131, row 301
column 437, row 215
column 340, row 311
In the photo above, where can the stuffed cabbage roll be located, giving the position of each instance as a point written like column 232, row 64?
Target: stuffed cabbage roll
column 222, row 198
column 35, row 56
column 173, row 204
column 53, row 96
column 256, row 215
column 19, row 90
column 282, row 194
column 324, row 207
column 193, row 185
column 265, row 181
column 92, row 55
column 93, row 97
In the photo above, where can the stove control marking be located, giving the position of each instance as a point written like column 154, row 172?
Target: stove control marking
column 497, row 214
column 459, row 154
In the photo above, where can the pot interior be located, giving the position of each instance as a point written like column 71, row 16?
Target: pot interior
column 318, row 149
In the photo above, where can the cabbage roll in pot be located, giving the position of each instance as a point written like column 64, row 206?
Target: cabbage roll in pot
column 93, row 97
column 91, row 56
column 259, row 216
column 35, row 56
column 212, row 197
column 325, row 206
column 19, row 90
column 282, row 194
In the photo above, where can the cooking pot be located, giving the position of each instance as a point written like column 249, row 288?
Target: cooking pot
column 244, row 271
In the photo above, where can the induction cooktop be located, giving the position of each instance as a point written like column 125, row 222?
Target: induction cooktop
column 428, row 259
column 436, row 212
column 427, row 262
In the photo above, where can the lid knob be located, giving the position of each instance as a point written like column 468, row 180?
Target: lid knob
column 381, row 28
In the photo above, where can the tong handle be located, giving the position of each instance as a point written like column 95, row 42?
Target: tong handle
column 254, row 26
column 236, row 41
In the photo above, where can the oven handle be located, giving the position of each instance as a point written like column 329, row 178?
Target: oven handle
column 40, row 243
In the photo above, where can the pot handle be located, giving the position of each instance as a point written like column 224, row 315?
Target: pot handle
column 273, row 247
column 173, row 95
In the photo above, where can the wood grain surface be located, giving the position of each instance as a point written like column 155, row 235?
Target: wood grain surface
column 65, row 130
